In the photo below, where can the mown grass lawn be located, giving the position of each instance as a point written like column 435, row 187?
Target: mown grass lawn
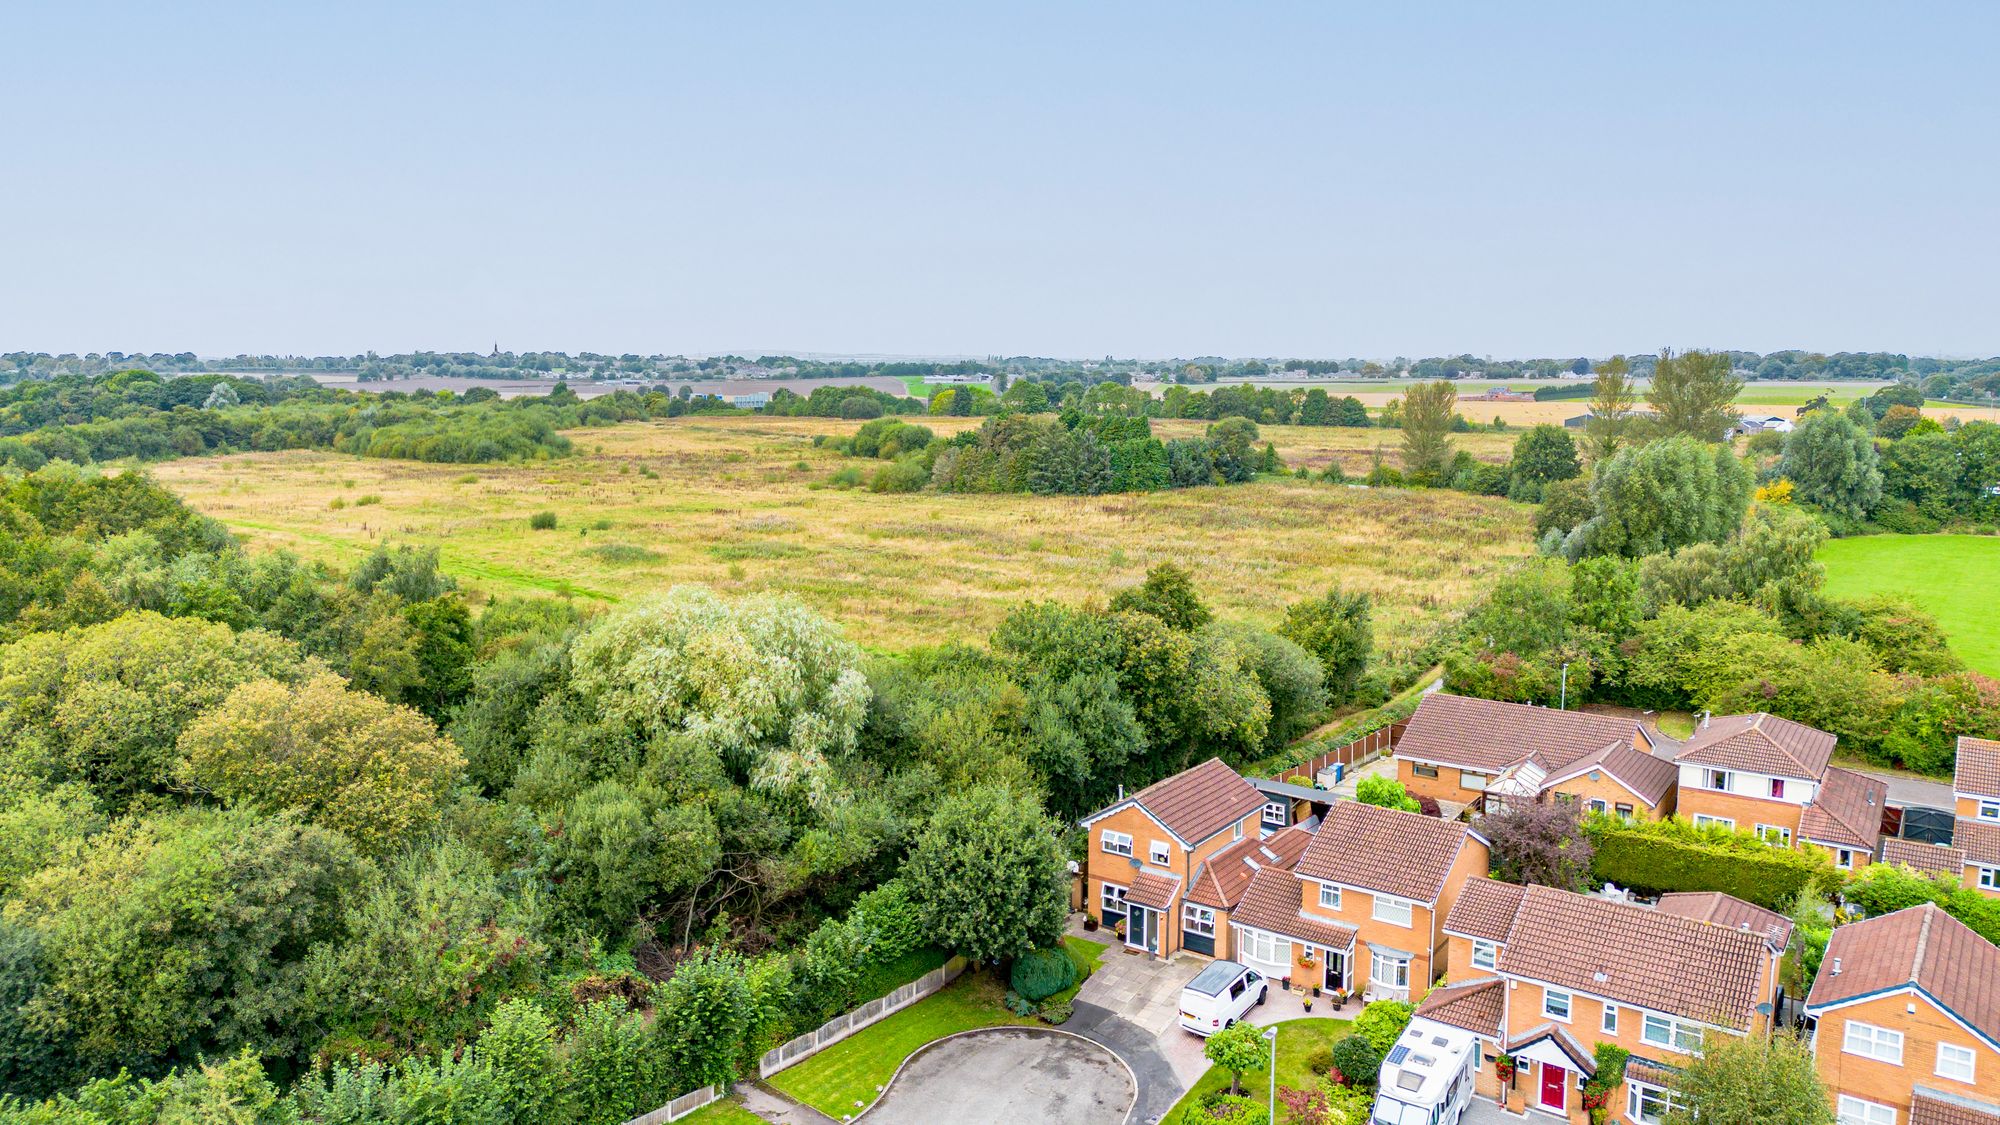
column 845, row 1078
column 724, row 1112
column 1953, row 577
column 1296, row 1040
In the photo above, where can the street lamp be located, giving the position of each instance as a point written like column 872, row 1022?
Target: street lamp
column 1271, row 1033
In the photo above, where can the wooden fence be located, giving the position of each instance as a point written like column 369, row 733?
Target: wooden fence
column 680, row 1107
column 842, row 1026
column 1365, row 748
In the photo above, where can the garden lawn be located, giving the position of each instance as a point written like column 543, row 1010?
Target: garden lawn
column 724, row 1112
column 1296, row 1040
column 1950, row 576
column 845, row 1077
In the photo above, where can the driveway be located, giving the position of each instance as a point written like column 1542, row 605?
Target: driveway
column 999, row 1076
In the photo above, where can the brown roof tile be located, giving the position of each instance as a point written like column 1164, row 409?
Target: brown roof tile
column 1847, row 810
column 1760, row 743
column 1199, row 801
column 1222, row 878
column 1923, row 946
column 1153, row 891
column 1483, row 734
column 1485, row 909
column 1648, row 777
column 1636, row 956
column 1978, row 839
column 1978, row 769
column 1476, row 1006
column 1932, row 858
column 1718, row 909
column 1934, row 1107
column 1274, row 902
column 1397, row 853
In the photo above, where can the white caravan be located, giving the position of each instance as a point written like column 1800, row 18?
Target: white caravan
column 1427, row 1077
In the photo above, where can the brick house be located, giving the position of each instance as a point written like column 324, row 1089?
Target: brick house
column 1363, row 908
column 1772, row 776
column 1473, row 751
column 1975, row 790
column 1542, row 976
column 1907, row 1021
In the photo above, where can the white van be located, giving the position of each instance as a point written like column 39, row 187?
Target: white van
column 1427, row 1077
column 1221, row 994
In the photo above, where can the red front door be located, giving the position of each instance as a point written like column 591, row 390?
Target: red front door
column 1555, row 1084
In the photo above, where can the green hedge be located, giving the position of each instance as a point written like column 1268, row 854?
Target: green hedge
column 1672, row 855
column 1566, row 390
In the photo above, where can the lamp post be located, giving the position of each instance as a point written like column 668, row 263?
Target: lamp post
column 1271, row 1033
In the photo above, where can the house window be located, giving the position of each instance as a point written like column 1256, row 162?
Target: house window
column 1778, row 787
column 1718, row 779
column 1703, row 820
column 1843, row 858
column 1665, row 1031
column 1422, row 770
column 1238, row 833
column 1610, row 1022
column 1394, row 911
column 1624, row 811
column 1775, row 834
column 1160, row 853
column 1329, row 897
column 1854, row 1111
column 1648, row 1105
column 1485, row 955
column 1871, row 1042
column 1389, row 972
column 1954, row 1062
column 1260, row 946
column 1597, row 805
column 1555, row 1004
column 1277, row 813
column 1989, row 878
column 1471, row 780
column 1198, row 919
column 1117, row 843
column 1112, row 901
column 1989, row 810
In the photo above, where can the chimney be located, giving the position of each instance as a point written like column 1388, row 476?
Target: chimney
column 1121, row 790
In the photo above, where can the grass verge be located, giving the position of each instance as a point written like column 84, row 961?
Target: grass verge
column 1296, row 1039
column 724, row 1112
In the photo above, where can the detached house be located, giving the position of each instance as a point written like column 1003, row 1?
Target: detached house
column 1363, row 908
column 1480, row 752
column 1908, row 1021
column 1975, row 788
column 1542, row 976
column 1771, row 776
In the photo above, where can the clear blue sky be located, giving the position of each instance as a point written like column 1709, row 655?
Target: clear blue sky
column 1057, row 179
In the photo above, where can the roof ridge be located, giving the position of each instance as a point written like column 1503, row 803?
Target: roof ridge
column 1923, row 941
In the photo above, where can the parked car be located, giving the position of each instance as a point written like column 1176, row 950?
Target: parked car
column 1219, row 995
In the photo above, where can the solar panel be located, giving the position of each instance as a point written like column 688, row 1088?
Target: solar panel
column 1397, row 1054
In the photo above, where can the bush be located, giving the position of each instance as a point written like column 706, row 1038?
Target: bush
column 1319, row 1060
column 860, row 408
column 1382, row 1022
column 542, row 521
column 1386, row 792
column 1358, row 1060
column 1057, row 1013
column 1882, row 889
column 889, row 913
column 1018, row 1004
column 1672, row 855
column 1041, row 973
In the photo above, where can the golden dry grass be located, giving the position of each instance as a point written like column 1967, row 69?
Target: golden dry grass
column 734, row 506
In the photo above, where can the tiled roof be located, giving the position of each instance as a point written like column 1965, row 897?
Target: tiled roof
column 1978, row 839
column 1921, row 945
column 1274, row 902
column 1934, row 858
column 1760, row 743
column 1476, row 1006
column 1221, row 878
column 1978, row 769
column 1935, row 1107
column 1636, row 956
column 1485, row 909
column 1200, row 801
column 1718, row 909
column 1155, row 892
column 1847, row 810
column 1483, row 734
column 1398, row 853
column 1648, row 777
column 1562, row 1039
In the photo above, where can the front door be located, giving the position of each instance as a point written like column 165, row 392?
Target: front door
column 1555, row 1088
column 1139, row 928
column 1336, row 970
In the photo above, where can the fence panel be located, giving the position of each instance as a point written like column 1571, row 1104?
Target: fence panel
column 841, row 1026
column 680, row 1107
column 1363, row 749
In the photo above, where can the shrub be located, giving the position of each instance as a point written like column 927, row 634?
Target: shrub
column 1057, row 1013
column 542, row 521
column 1041, row 973
column 1382, row 1022
column 1386, row 792
column 365, row 500
column 1672, row 855
column 893, row 918
column 1018, row 1004
column 1319, row 1060
column 1358, row 1060
column 860, row 408
column 1882, row 889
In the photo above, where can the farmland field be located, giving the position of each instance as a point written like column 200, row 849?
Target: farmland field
column 1951, row 576
column 741, row 504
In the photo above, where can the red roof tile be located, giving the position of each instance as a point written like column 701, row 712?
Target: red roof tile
column 1718, row 909
column 1923, row 946
column 1978, row 769
column 1486, row 735
column 1197, row 802
column 1846, row 811
column 1155, row 892
column 1376, row 849
column 1274, row 902
column 1485, row 909
column 1476, row 1006
column 1931, row 858
column 1978, row 839
column 1649, row 778
column 1222, row 878
column 1934, row 1107
column 1760, row 743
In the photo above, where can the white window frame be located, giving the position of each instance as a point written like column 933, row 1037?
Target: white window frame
column 1465, row 781
column 1486, row 955
column 1624, row 811
column 1988, row 878
column 1666, row 1031
column 1423, row 769
column 1703, row 820
column 1776, row 789
column 1393, row 907
column 1266, row 947
column 1637, row 1094
column 1329, row 896
column 1237, row 833
column 1965, row 1055
column 1609, row 1022
column 1197, row 919
column 1870, row 1042
column 1399, row 967
column 1110, row 895
column 1784, row 834
column 1987, row 810
column 1568, row 1004
column 1843, row 858
column 1160, row 853
column 1855, row 1111
column 1717, row 780
column 1598, row 805
column 1116, row 843
column 1284, row 813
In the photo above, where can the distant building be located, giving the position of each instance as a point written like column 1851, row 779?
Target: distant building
column 1583, row 419
column 1760, row 423
column 753, row 401
column 1501, row 394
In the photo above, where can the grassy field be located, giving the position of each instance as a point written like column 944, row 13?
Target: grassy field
column 741, row 504
column 1296, row 1039
column 1952, row 576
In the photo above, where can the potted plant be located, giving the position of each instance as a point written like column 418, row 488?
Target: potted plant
column 1503, row 1068
column 1308, row 1002
column 1089, row 924
column 1339, row 997
column 1118, row 928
